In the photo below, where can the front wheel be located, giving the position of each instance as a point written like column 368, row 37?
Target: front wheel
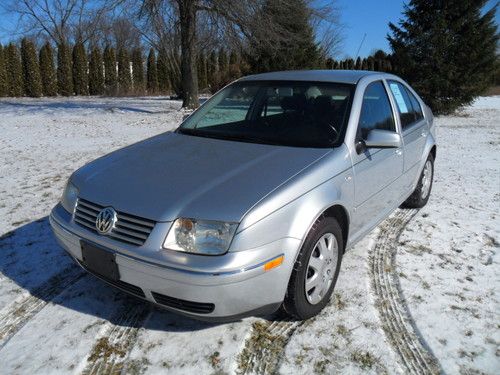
column 421, row 194
column 316, row 270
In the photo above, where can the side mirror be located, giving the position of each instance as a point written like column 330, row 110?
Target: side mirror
column 378, row 138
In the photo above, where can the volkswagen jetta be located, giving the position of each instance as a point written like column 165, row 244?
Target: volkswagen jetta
column 251, row 203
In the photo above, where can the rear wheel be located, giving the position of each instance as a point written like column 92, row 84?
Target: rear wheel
column 421, row 194
column 316, row 270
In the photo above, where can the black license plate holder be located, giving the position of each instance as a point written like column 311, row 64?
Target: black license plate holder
column 100, row 261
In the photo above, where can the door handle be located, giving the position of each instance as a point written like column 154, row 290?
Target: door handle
column 398, row 152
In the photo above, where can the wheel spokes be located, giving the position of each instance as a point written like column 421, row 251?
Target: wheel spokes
column 316, row 295
column 316, row 264
column 312, row 282
column 321, row 268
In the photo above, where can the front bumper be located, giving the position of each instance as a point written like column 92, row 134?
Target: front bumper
column 206, row 287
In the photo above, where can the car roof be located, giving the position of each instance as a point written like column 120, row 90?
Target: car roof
column 340, row 76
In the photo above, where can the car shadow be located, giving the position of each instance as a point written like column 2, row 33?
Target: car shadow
column 32, row 261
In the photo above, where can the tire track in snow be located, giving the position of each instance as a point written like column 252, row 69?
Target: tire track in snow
column 16, row 315
column 397, row 323
column 265, row 347
column 111, row 350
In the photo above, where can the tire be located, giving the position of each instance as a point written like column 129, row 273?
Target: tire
column 303, row 304
column 422, row 192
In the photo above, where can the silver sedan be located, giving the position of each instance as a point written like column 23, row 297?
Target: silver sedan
column 250, row 204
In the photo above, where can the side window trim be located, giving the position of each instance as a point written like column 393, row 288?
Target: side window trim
column 394, row 108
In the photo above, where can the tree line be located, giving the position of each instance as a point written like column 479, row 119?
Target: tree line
column 72, row 70
column 255, row 35
column 446, row 50
column 75, row 70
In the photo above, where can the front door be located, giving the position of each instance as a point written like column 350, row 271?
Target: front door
column 377, row 171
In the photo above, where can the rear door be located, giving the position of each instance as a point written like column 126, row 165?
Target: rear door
column 377, row 171
column 414, row 129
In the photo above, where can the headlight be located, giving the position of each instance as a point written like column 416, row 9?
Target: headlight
column 68, row 199
column 200, row 236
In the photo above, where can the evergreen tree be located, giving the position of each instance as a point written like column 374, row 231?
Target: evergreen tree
column 80, row 70
column 233, row 58
column 14, row 71
column 3, row 73
column 110, row 74
column 64, row 76
column 163, row 73
column 31, row 70
column 446, row 50
column 364, row 65
column 124, row 78
column 357, row 66
column 96, row 72
column 223, row 61
column 379, row 54
column 297, row 51
column 329, row 63
column 137, row 71
column 371, row 63
column 47, row 70
column 202, row 71
column 388, row 66
column 152, row 73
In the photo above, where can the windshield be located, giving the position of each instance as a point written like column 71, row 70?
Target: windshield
column 300, row 114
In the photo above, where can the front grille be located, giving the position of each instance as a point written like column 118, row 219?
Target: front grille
column 128, row 228
column 194, row 307
column 129, row 288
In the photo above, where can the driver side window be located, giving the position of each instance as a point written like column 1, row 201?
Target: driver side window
column 376, row 111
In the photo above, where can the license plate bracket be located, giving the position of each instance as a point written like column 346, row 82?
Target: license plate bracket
column 100, row 261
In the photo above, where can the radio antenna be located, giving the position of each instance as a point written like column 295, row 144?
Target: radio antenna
column 359, row 48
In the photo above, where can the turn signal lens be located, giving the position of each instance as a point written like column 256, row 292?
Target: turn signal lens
column 274, row 263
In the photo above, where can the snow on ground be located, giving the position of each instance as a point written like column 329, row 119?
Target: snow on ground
column 447, row 261
column 450, row 255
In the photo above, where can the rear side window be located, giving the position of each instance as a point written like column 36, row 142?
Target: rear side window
column 417, row 109
column 376, row 112
column 408, row 106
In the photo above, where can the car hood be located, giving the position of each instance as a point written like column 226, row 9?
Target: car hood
column 174, row 175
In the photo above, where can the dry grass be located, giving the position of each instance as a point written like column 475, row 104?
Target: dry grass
column 364, row 359
column 105, row 349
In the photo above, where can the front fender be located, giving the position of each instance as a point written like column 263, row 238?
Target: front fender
column 295, row 219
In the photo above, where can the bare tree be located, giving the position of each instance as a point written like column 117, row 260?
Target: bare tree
column 60, row 20
column 189, row 22
column 325, row 19
column 125, row 34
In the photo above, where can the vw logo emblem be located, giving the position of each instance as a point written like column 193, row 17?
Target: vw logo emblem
column 105, row 220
